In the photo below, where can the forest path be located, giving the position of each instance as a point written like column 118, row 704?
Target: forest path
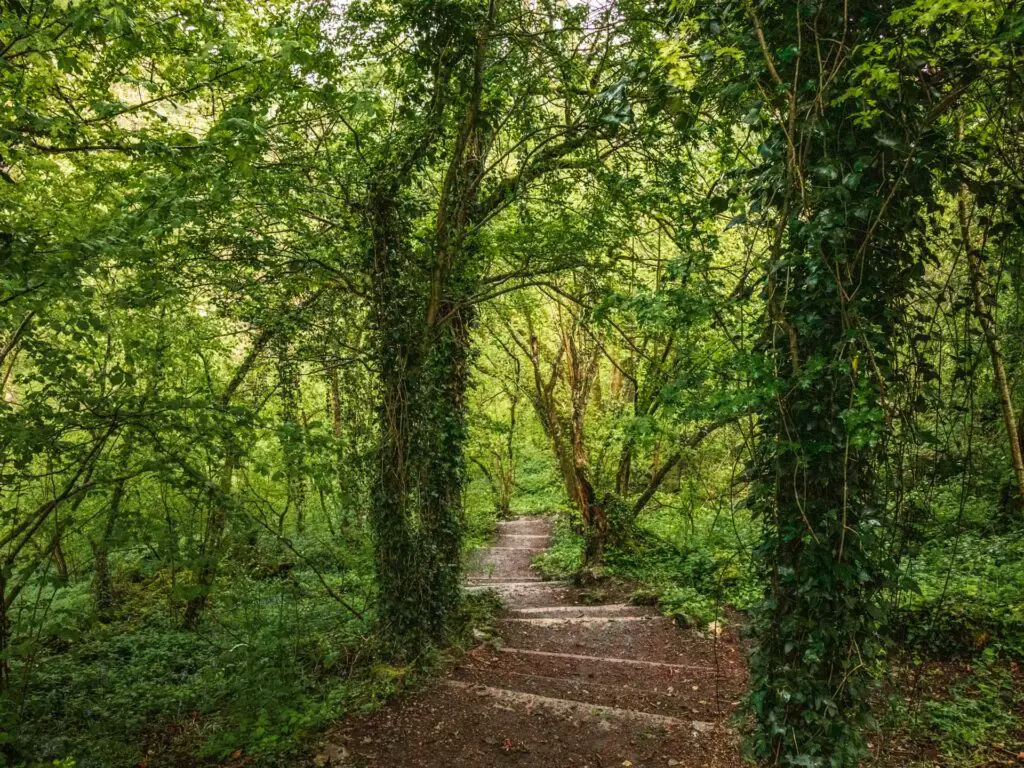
column 572, row 682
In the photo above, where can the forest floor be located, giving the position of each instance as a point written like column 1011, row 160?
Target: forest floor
column 567, row 681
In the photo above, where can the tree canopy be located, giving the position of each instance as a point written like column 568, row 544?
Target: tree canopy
column 297, row 298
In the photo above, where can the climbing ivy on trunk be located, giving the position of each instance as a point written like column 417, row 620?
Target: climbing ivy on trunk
column 850, row 135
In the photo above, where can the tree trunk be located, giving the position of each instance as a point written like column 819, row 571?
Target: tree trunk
column 5, row 637
column 350, row 433
column 623, row 475
column 507, row 463
column 595, row 517
column 567, row 435
column 16, row 336
column 597, row 526
column 102, row 588
column 984, row 314
column 335, row 401
column 422, row 350
column 835, row 288
column 102, row 584
column 444, row 471
column 416, row 509
column 209, row 556
column 291, row 433
column 59, row 560
column 416, row 499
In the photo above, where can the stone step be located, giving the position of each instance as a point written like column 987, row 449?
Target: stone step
column 528, row 539
column 482, row 577
column 538, row 544
column 690, row 684
column 524, row 594
column 511, row 557
column 536, row 533
column 451, row 727
column 555, row 621
column 580, row 611
column 505, row 574
column 488, row 569
column 508, row 560
column 581, row 709
column 645, row 638
column 575, row 658
column 526, row 526
column 679, row 698
column 527, row 594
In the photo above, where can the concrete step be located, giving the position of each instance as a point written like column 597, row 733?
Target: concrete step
column 483, row 577
column 505, row 574
column 505, row 558
column 524, row 594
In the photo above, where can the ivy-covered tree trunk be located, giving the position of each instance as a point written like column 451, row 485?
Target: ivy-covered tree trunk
column 443, row 441
column 422, row 314
column 416, row 510
column 391, row 495
column 815, row 470
column 416, row 502
column 846, row 181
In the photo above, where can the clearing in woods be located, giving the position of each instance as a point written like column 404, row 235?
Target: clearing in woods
column 570, row 684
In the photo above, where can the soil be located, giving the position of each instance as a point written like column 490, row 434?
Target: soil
column 572, row 679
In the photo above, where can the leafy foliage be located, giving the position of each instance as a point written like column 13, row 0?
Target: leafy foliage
column 298, row 299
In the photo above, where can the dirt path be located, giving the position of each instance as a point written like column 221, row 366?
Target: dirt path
column 569, row 684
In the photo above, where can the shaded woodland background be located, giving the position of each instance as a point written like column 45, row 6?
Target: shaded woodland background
column 298, row 298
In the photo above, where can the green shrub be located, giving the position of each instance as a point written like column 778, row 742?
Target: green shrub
column 688, row 606
column 664, row 561
column 963, row 713
column 564, row 557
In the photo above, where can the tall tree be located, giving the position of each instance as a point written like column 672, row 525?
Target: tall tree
column 475, row 119
column 852, row 135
